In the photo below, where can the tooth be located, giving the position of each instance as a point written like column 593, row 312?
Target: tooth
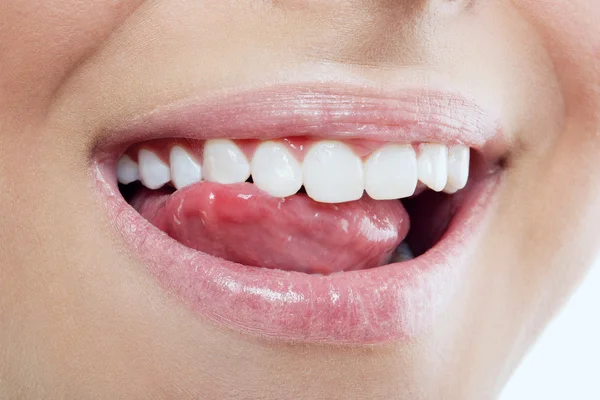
column 458, row 168
column 224, row 162
column 433, row 165
column 275, row 170
column 127, row 170
column 333, row 173
column 402, row 253
column 185, row 170
column 153, row 171
column 391, row 172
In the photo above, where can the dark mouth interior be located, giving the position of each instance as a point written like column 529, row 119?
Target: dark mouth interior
column 430, row 215
column 430, row 212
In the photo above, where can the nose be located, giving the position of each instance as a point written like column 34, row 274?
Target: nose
column 375, row 32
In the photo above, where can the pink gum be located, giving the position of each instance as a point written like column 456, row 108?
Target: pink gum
column 297, row 146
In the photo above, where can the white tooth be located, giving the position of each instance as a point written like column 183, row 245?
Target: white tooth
column 458, row 168
column 275, row 170
column 449, row 189
column 433, row 165
column 333, row 173
column 153, row 171
column 391, row 172
column 185, row 171
column 127, row 170
column 224, row 162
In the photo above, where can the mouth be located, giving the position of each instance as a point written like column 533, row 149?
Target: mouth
column 321, row 215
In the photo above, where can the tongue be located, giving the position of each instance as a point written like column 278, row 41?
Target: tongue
column 243, row 224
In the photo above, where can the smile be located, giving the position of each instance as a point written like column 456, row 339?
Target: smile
column 311, row 214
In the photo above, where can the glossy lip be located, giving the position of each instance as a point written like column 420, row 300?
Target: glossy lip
column 361, row 307
column 320, row 111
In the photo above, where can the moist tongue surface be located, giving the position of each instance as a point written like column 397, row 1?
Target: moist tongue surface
column 243, row 224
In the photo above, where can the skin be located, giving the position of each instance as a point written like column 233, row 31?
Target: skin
column 80, row 317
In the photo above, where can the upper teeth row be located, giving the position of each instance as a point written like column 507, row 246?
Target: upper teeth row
column 331, row 172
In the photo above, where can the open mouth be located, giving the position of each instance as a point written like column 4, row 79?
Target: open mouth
column 311, row 206
column 309, row 225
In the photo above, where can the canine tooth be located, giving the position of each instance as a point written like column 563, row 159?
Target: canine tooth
column 275, row 170
column 433, row 165
column 458, row 168
column 391, row 172
column 185, row 170
column 333, row 173
column 127, row 170
column 224, row 162
column 154, row 173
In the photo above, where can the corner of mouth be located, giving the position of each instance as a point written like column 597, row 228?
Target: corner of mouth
column 350, row 305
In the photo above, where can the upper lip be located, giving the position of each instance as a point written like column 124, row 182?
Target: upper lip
column 380, row 304
column 320, row 111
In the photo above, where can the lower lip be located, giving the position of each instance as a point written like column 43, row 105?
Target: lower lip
column 383, row 304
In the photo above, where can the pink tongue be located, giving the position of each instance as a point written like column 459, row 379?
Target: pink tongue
column 244, row 224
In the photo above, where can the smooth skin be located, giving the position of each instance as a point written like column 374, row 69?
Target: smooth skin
column 81, row 319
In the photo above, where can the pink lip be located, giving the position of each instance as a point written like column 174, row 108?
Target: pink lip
column 370, row 306
column 342, row 112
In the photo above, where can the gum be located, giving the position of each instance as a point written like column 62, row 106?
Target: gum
column 298, row 146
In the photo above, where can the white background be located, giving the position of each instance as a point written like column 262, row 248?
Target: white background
column 565, row 362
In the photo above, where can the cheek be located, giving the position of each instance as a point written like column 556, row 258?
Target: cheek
column 42, row 42
column 567, row 178
column 571, row 34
